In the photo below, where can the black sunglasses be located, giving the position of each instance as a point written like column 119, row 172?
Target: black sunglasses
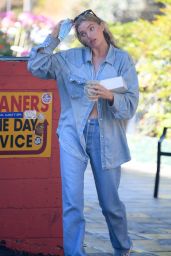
column 84, row 14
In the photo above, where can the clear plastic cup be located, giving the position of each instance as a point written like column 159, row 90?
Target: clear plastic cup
column 88, row 89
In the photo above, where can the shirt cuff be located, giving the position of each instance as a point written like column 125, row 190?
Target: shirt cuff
column 116, row 103
column 49, row 44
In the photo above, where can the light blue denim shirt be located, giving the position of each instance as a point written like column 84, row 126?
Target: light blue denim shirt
column 71, row 69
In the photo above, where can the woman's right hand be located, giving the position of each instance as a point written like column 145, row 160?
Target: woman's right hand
column 62, row 29
column 56, row 29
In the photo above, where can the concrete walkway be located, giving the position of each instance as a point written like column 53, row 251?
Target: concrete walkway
column 149, row 219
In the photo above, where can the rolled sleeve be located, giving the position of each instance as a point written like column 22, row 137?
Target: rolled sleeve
column 44, row 64
column 48, row 45
column 125, row 104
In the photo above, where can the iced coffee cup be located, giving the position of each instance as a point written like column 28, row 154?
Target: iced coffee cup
column 89, row 91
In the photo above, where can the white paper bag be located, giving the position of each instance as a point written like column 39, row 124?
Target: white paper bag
column 116, row 84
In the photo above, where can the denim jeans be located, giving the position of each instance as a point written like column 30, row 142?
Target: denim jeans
column 107, row 183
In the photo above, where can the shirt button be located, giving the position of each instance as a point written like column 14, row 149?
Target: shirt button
column 102, row 136
column 100, row 119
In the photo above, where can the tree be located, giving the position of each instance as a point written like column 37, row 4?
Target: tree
column 149, row 43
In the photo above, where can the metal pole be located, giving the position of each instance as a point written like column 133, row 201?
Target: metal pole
column 27, row 5
column 8, row 5
column 157, row 179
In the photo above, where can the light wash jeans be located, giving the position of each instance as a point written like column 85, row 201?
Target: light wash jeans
column 107, row 183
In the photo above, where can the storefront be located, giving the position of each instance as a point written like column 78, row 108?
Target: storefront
column 30, row 186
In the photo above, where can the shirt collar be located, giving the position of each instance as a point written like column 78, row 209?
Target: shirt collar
column 109, row 57
column 88, row 54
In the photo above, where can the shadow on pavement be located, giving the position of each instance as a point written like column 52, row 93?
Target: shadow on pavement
column 4, row 251
column 132, row 254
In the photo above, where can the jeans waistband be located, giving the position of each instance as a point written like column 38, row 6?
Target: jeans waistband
column 91, row 124
column 92, row 121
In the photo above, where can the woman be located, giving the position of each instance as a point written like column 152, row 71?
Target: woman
column 90, row 128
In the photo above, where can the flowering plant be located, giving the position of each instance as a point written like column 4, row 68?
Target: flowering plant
column 19, row 33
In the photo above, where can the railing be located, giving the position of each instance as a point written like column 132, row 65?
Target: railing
column 159, row 154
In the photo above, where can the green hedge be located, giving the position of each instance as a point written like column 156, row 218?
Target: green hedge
column 149, row 43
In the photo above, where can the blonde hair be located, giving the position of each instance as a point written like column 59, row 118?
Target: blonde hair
column 92, row 17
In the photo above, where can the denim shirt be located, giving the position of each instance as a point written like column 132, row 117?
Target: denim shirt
column 71, row 69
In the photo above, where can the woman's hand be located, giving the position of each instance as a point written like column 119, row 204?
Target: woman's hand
column 62, row 29
column 101, row 92
column 55, row 31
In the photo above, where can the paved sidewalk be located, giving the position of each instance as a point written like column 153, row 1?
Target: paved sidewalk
column 149, row 219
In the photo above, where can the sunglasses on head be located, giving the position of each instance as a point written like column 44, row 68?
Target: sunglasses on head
column 84, row 14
